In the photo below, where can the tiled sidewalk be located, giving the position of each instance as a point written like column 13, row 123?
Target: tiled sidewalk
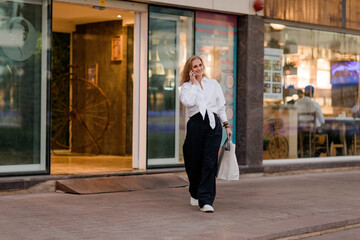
column 252, row 208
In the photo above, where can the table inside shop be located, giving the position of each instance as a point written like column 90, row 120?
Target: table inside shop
column 343, row 129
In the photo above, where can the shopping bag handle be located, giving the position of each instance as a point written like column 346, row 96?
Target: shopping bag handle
column 226, row 145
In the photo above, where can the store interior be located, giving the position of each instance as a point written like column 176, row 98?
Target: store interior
column 330, row 63
column 91, row 89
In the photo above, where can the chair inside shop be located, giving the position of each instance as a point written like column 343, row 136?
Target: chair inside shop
column 341, row 143
column 356, row 145
column 310, row 142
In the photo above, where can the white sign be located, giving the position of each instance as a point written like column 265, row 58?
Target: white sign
column 273, row 88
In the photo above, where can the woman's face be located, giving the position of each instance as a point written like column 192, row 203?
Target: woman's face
column 197, row 67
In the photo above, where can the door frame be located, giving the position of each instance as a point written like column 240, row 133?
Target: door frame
column 140, row 90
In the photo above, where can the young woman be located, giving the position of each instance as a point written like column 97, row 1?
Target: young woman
column 205, row 104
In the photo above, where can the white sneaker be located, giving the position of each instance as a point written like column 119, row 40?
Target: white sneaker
column 207, row 208
column 194, row 202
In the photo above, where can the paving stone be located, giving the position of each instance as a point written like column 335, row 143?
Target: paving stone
column 252, row 208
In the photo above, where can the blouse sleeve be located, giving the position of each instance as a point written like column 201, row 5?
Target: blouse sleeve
column 220, row 102
column 188, row 94
column 222, row 114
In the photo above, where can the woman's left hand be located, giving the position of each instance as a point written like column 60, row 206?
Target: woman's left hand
column 228, row 132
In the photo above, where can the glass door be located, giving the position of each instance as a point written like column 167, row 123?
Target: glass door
column 170, row 44
column 24, row 54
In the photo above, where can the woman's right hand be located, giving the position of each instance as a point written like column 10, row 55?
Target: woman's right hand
column 192, row 77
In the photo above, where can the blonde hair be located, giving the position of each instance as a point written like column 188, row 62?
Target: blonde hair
column 184, row 76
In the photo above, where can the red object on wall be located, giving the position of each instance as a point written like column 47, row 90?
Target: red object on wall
column 258, row 5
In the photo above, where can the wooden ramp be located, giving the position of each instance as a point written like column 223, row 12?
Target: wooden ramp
column 120, row 183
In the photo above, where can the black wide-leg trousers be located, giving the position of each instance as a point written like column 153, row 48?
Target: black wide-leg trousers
column 200, row 150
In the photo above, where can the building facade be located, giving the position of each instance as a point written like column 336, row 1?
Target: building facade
column 93, row 86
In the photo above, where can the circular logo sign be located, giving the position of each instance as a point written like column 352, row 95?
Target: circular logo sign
column 20, row 41
column 229, row 81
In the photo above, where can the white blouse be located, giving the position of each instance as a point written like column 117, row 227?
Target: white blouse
column 209, row 99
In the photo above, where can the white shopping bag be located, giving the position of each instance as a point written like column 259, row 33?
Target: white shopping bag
column 228, row 168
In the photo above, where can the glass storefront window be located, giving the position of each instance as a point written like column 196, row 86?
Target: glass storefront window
column 170, row 44
column 23, row 78
column 311, row 93
column 216, row 41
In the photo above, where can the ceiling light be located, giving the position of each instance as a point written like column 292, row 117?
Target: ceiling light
column 119, row 16
column 277, row 26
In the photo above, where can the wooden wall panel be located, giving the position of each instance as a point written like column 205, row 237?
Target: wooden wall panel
column 353, row 14
column 323, row 12
column 332, row 12
column 274, row 9
column 92, row 44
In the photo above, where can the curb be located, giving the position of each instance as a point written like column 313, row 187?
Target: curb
column 274, row 168
column 307, row 230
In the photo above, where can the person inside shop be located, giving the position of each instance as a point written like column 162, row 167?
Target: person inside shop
column 205, row 103
column 307, row 105
column 298, row 95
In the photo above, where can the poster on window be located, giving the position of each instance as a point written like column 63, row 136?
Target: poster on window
column 215, row 43
column 273, row 73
